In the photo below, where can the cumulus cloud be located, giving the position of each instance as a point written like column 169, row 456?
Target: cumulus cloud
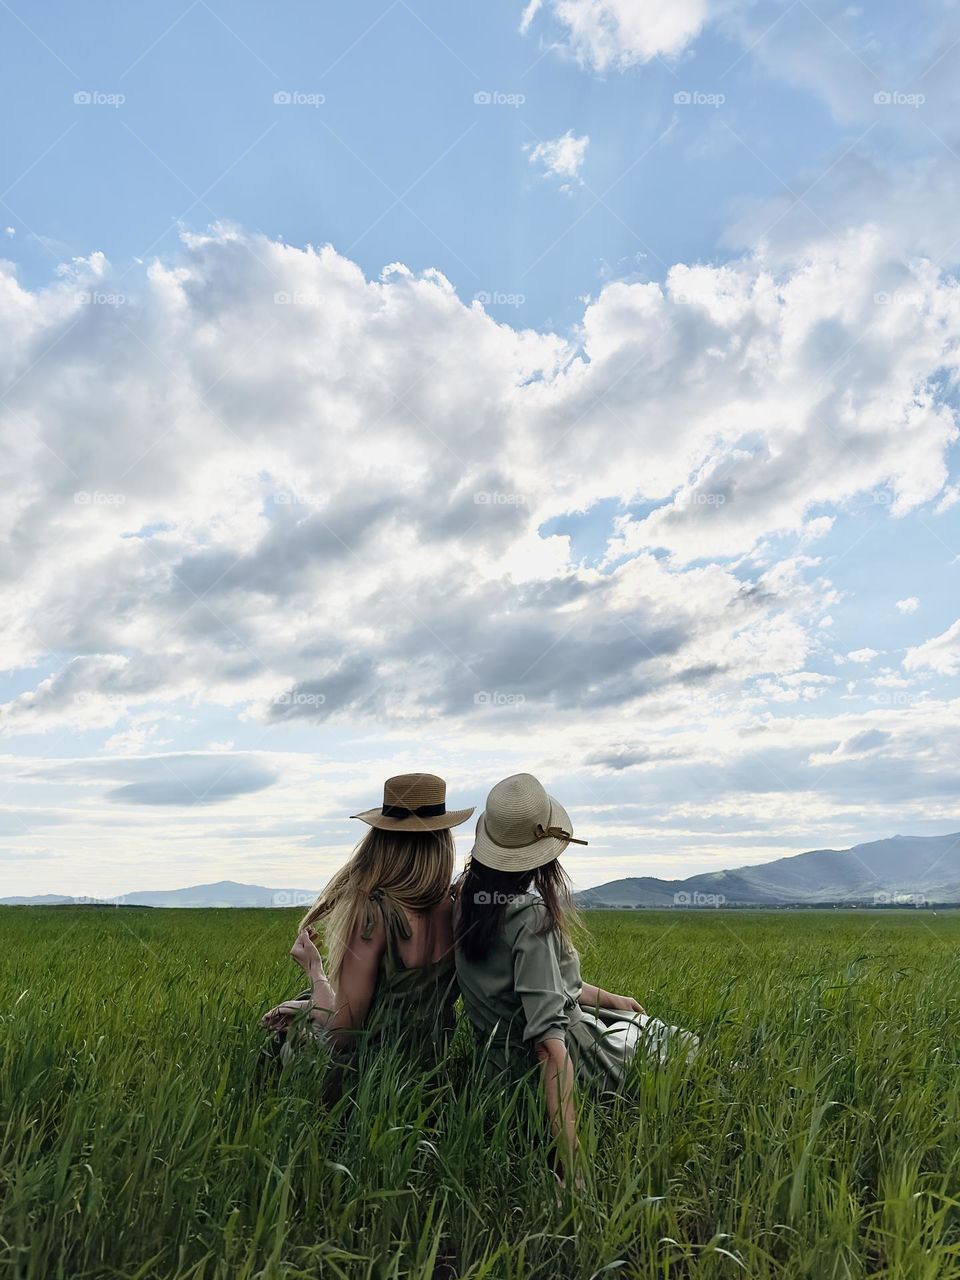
column 941, row 654
column 862, row 656
column 315, row 502
column 267, row 482
column 561, row 157
column 910, row 605
column 620, row 33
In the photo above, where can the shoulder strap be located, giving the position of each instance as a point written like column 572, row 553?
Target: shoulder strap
column 382, row 905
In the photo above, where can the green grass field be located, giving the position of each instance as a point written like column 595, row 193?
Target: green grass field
column 141, row 1135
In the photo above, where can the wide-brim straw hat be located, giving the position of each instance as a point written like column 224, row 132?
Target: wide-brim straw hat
column 521, row 827
column 414, row 802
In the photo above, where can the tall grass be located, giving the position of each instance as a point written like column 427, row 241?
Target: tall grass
column 144, row 1135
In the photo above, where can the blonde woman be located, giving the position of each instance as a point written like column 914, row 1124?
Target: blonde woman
column 519, row 973
column 386, row 924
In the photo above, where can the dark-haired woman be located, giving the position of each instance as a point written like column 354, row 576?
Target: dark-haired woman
column 386, row 925
column 518, row 971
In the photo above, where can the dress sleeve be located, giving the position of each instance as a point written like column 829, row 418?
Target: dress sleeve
column 538, row 982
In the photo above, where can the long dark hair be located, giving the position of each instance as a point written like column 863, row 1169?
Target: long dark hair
column 483, row 895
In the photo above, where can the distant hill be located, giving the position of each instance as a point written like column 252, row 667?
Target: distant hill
column 899, row 868
column 225, row 893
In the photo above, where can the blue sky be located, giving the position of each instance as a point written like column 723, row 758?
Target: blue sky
column 398, row 159
column 476, row 388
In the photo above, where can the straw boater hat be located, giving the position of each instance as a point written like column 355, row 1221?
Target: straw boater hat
column 521, row 827
column 414, row 802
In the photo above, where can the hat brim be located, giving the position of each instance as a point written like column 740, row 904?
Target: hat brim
column 439, row 822
column 528, row 856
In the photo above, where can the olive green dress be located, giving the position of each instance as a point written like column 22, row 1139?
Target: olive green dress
column 411, row 1007
column 526, row 990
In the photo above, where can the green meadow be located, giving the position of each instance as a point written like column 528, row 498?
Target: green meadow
column 144, row 1134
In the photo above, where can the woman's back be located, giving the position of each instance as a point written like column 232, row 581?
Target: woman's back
column 430, row 935
column 385, row 918
column 417, row 981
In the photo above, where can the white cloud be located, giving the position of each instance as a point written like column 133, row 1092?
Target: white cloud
column 561, row 157
column 862, row 656
column 309, row 436
column 900, row 78
column 941, row 654
column 910, row 605
column 268, row 485
column 620, row 33
column 135, row 740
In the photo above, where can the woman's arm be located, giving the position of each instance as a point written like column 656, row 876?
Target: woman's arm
column 556, row 1072
column 595, row 997
column 538, row 981
column 340, row 1011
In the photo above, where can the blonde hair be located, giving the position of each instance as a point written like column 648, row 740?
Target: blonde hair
column 414, row 868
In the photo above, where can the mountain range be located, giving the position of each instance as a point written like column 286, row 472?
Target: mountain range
column 901, row 869
column 225, row 893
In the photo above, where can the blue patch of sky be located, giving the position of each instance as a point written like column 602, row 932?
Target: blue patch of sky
column 399, row 162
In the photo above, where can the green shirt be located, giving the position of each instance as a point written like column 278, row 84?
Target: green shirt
column 526, row 990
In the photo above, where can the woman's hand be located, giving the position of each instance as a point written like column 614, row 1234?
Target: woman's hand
column 281, row 1015
column 305, row 952
column 625, row 1004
